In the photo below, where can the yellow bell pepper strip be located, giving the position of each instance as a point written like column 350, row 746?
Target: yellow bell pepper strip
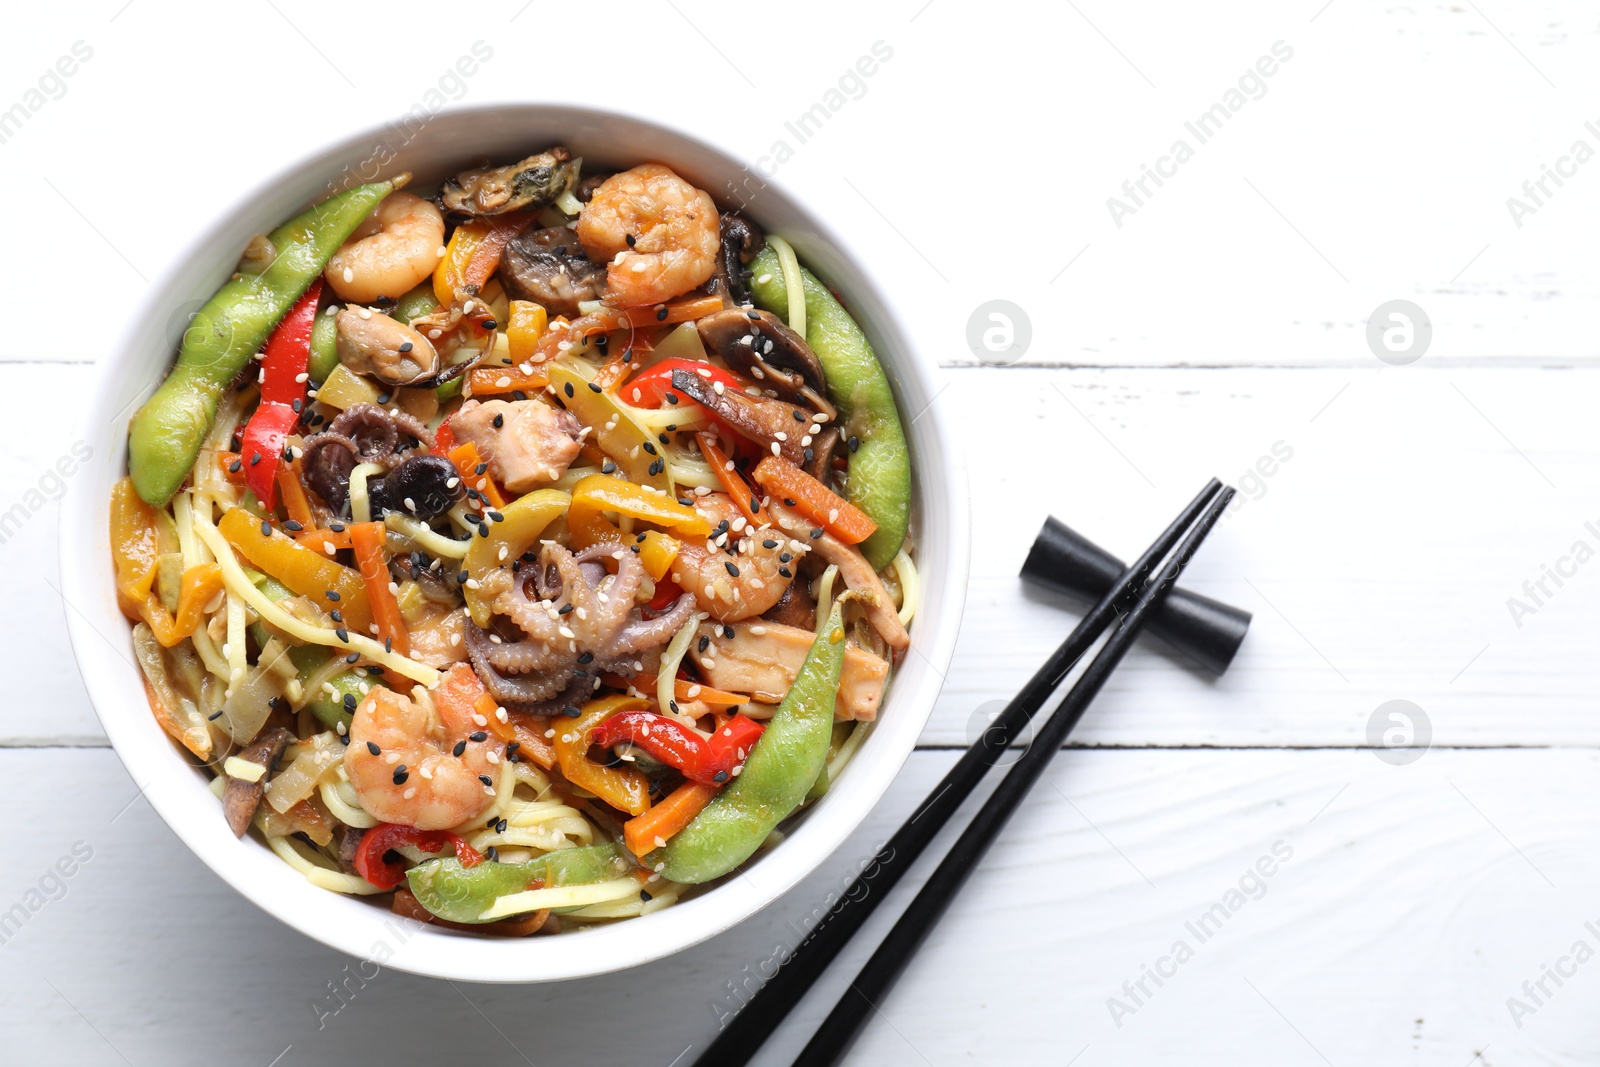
column 310, row 574
column 522, row 522
column 367, row 539
column 815, row 501
column 613, row 428
column 527, row 323
column 656, row 550
column 655, row 828
column 622, row 787
column 601, row 492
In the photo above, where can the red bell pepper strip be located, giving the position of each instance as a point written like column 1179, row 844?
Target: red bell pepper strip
column 710, row 762
column 649, row 388
column 283, row 388
column 378, row 841
column 667, row 591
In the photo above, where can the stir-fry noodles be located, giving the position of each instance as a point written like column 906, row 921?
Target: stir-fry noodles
column 521, row 554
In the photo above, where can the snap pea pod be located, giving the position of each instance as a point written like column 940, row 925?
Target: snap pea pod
column 461, row 894
column 324, row 347
column 880, row 466
column 166, row 434
column 787, row 759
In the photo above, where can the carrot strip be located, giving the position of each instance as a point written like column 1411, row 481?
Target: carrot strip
column 487, row 252
column 646, row 683
column 488, row 707
column 608, row 319
column 647, row 832
column 465, row 457
column 293, row 491
column 814, row 500
column 744, row 498
column 367, row 539
column 318, row 540
column 225, row 462
column 492, row 381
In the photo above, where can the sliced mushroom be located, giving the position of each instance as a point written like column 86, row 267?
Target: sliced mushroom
column 372, row 343
column 531, row 183
column 591, row 182
column 422, row 486
column 241, row 798
column 824, row 446
column 547, row 265
column 759, row 344
column 741, row 240
column 772, row 422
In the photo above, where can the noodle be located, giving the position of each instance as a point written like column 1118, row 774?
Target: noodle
column 906, row 573
column 790, row 265
column 425, row 536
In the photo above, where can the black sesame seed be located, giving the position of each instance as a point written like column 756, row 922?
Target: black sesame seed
column 518, row 394
column 798, row 417
column 461, row 746
column 255, row 457
column 754, row 506
column 785, row 572
column 292, row 526
column 594, row 387
column 336, row 527
column 705, row 642
column 491, row 853
column 788, row 503
column 608, row 467
column 627, row 354
column 485, row 779
column 661, row 313
column 853, row 444
column 511, row 747
column 405, row 346
column 495, row 516
column 720, row 776
column 480, row 468
column 483, row 529
column 784, row 557
column 384, row 398
column 266, row 528
column 388, row 644
column 727, row 631
column 350, row 701
column 499, row 421
column 352, row 657
column 401, row 774
column 477, row 735
column 344, row 635
column 297, row 405
column 630, row 238
column 733, row 570
column 810, row 454
column 587, row 657
column 335, row 615
column 650, row 448
column 372, row 747
column 462, row 577
column 657, row 467
column 564, row 609
column 663, row 438
column 500, row 826
column 672, row 398
column 570, row 711
column 489, row 324
column 214, row 716
column 753, row 316
column 816, row 533
column 769, row 543
column 569, row 390
column 235, row 466
column 673, row 704
column 685, row 501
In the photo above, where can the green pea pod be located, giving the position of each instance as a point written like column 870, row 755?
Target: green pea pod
column 461, row 894
column 330, row 709
column 166, row 434
column 880, row 466
column 324, row 348
column 417, row 303
column 787, row 759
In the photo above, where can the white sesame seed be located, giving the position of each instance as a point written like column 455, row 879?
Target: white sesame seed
column 349, row 275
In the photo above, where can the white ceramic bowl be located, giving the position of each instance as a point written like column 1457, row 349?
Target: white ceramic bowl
column 177, row 790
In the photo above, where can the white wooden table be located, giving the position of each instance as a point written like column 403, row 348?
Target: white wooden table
column 1415, row 913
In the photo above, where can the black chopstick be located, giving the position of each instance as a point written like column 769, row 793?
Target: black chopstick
column 838, row 1031
column 743, row 1036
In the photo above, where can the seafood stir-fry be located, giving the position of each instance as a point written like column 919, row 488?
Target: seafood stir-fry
column 520, row 552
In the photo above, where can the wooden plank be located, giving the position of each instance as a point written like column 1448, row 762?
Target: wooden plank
column 1378, row 556
column 1273, row 244
column 1355, row 939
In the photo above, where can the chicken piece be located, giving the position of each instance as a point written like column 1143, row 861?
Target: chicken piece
column 762, row 658
column 527, row 443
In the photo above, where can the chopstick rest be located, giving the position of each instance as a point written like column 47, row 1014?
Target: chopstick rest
column 1208, row 631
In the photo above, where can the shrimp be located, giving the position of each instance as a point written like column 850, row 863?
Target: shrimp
column 659, row 233
column 393, row 250
column 402, row 758
column 741, row 571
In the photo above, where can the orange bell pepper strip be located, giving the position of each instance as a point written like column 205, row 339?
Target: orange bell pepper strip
column 622, row 787
column 367, row 538
column 814, row 500
column 225, row 463
column 465, row 457
column 317, row 539
column 494, row 381
column 309, row 573
column 744, row 498
column 293, row 491
column 449, row 277
column 135, row 545
column 527, row 324
column 200, row 584
column 655, row 828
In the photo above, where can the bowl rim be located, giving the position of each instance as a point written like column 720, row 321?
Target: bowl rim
column 147, row 752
